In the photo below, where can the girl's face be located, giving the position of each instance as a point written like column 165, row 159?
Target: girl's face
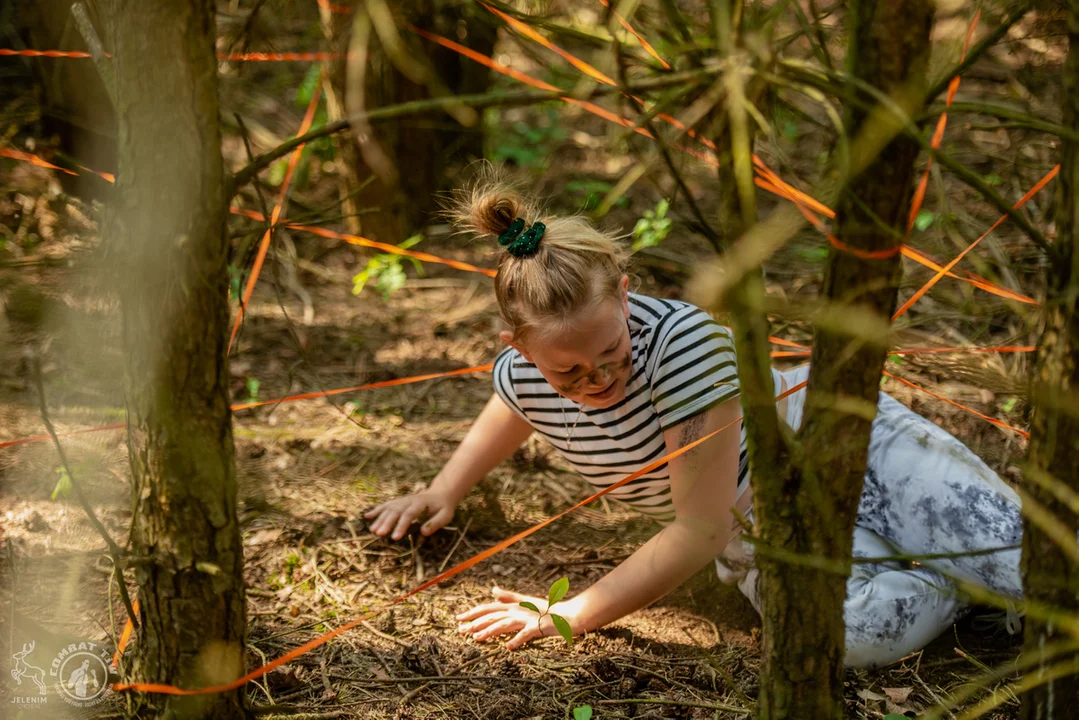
column 590, row 362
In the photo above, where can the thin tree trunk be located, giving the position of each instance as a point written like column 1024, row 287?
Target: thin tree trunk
column 807, row 490
column 168, row 226
column 1050, row 577
column 421, row 152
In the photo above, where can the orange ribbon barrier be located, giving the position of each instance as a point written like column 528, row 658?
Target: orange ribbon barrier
column 644, row 43
column 938, row 134
column 35, row 160
column 972, row 411
column 264, row 245
column 235, row 57
column 940, row 273
column 339, row 9
column 364, row 242
column 290, row 398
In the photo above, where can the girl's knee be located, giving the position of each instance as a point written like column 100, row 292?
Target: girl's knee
column 894, row 614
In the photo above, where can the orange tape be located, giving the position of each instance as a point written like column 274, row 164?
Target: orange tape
column 239, row 57
column 938, row 134
column 940, row 273
column 531, row 34
column 644, row 43
column 44, row 53
column 280, row 56
column 972, row 411
column 264, row 245
column 339, row 9
column 288, row 398
column 364, row 242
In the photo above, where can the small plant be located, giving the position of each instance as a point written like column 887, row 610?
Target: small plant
column 252, row 386
column 292, row 561
column 582, row 712
column 235, row 277
column 652, row 228
column 63, row 483
column 386, row 270
column 556, row 592
column 924, row 220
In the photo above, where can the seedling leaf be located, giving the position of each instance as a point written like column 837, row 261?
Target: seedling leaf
column 924, row 220
column 584, row 712
column 558, row 590
column 563, row 628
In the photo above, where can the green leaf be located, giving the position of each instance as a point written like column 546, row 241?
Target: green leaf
column 661, row 208
column 993, row 180
column 359, row 281
column 584, row 712
column 895, row 716
column 63, row 485
column 406, row 244
column 253, row 386
column 558, row 590
column 924, row 220
column 530, row 606
column 563, row 628
column 1009, row 404
column 897, row 359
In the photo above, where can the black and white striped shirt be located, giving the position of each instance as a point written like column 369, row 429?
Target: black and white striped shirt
column 683, row 364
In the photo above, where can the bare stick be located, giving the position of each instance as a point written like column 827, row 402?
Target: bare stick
column 115, row 552
column 97, row 52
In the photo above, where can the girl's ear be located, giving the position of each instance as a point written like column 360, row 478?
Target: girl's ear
column 507, row 337
column 623, row 284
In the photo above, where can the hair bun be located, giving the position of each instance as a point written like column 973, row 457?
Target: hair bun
column 490, row 204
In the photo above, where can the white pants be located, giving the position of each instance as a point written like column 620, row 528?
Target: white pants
column 925, row 493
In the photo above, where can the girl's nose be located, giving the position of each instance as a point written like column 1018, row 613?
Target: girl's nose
column 600, row 377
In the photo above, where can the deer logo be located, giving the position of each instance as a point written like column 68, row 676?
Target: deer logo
column 24, row 669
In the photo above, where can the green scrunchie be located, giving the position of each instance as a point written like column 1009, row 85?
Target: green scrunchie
column 522, row 244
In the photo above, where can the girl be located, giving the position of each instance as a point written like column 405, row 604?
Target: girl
column 614, row 380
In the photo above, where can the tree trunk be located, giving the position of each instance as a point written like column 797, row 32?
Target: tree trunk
column 1050, row 577
column 807, row 490
column 421, row 152
column 168, row 223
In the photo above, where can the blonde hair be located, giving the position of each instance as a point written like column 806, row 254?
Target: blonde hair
column 575, row 267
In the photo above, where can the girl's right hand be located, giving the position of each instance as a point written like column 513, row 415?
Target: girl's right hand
column 398, row 514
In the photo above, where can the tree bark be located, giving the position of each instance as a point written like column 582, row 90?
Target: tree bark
column 1050, row 577
column 807, row 489
column 422, row 152
column 168, row 225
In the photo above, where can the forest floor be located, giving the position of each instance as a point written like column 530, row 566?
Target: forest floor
column 308, row 470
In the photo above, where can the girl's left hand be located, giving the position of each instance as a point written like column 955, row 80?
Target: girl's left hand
column 505, row 616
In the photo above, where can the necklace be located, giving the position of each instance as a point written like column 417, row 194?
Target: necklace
column 569, row 430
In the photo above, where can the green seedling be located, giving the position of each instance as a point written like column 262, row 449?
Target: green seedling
column 652, row 228
column 63, row 483
column 556, row 592
column 924, row 220
column 252, row 386
column 386, row 270
column 582, row 712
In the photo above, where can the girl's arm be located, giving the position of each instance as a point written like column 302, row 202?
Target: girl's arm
column 703, row 488
column 495, row 435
